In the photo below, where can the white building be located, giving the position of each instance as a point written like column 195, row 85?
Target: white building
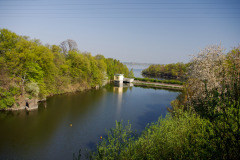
column 118, row 78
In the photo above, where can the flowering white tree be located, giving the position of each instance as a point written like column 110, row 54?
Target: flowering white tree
column 207, row 72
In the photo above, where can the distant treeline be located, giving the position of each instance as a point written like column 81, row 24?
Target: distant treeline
column 29, row 69
column 172, row 71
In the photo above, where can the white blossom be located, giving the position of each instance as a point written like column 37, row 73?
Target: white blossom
column 206, row 71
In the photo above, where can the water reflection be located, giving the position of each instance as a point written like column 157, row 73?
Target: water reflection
column 119, row 89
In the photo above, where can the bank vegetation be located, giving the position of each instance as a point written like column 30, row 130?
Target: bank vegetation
column 167, row 71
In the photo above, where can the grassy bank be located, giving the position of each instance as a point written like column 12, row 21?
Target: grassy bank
column 149, row 85
column 160, row 81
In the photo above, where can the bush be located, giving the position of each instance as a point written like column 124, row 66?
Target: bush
column 184, row 136
column 32, row 88
column 117, row 141
column 7, row 97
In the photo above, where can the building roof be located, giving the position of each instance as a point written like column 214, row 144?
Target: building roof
column 118, row 74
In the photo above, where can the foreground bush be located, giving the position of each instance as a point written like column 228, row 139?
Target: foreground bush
column 184, row 136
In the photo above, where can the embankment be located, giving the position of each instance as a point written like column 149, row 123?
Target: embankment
column 158, row 85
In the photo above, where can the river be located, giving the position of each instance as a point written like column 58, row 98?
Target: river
column 66, row 123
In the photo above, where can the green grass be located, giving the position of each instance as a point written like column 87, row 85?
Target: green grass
column 157, row 86
column 160, row 81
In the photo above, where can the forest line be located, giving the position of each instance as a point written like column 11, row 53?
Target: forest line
column 29, row 69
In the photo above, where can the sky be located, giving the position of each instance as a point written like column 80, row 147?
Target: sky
column 144, row 31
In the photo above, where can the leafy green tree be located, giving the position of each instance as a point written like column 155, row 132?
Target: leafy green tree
column 131, row 74
column 8, row 40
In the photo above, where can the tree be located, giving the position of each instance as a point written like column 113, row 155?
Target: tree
column 131, row 74
column 8, row 40
column 68, row 45
column 207, row 71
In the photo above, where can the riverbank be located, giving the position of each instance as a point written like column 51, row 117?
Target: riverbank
column 24, row 103
column 172, row 81
column 158, row 85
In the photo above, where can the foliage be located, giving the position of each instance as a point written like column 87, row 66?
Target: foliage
column 213, row 77
column 207, row 71
column 174, row 70
column 212, row 92
column 131, row 74
column 115, row 67
column 41, row 70
column 7, row 96
column 183, row 136
column 32, row 88
column 117, row 141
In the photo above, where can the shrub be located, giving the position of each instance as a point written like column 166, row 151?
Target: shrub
column 7, row 97
column 32, row 88
column 184, row 136
column 117, row 141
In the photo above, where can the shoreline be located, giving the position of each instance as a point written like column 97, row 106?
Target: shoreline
column 33, row 103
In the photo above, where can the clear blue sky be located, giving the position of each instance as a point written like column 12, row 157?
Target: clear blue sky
column 150, row 31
